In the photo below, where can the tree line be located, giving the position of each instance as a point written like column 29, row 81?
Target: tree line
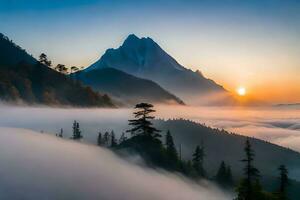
column 43, row 59
column 146, row 140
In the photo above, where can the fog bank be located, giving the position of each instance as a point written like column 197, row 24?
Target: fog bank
column 275, row 124
column 40, row 166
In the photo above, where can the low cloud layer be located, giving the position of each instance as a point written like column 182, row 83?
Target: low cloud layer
column 275, row 124
column 40, row 166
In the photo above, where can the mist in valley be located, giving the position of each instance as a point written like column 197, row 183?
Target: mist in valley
column 41, row 166
column 274, row 124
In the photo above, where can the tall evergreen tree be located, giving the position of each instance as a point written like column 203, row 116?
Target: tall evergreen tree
column 106, row 139
column 221, row 176
column 99, row 139
column 170, row 147
column 284, row 181
column 76, row 131
column 113, row 142
column 142, row 124
column 249, row 187
column 224, row 175
column 198, row 160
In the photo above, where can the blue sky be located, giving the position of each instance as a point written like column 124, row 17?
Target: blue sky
column 219, row 37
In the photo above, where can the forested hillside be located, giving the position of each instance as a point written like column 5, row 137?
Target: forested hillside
column 25, row 80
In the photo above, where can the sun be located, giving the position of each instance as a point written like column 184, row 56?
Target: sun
column 241, row 91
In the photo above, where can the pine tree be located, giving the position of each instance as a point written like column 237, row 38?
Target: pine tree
column 106, row 139
column 198, row 160
column 113, row 142
column 142, row 124
column 246, row 189
column 76, row 131
column 284, row 181
column 99, row 139
column 170, row 147
column 171, row 152
column 221, row 176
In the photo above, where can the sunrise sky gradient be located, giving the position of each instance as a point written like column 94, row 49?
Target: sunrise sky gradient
column 238, row 43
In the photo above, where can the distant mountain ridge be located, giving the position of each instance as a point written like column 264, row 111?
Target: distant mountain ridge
column 142, row 57
column 125, row 87
column 288, row 105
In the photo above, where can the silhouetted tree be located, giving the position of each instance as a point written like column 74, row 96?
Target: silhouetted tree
column 284, row 181
column 113, row 142
column 61, row 68
column 198, row 160
column 224, row 176
column 106, row 139
column 249, row 188
column 76, row 131
column 43, row 59
column 99, row 139
column 142, row 124
column 170, row 147
column 74, row 69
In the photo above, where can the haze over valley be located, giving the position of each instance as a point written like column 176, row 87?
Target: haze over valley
column 158, row 100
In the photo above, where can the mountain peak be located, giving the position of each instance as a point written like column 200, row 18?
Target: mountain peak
column 144, row 58
column 133, row 41
column 132, row 37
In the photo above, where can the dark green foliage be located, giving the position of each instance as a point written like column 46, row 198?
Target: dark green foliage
column 224, row 176
column 249, row 188
column 113, row 141
column 99, row 139
column 250, row 171
column 281, row 194
column 198, row 161
column 144, row 140
column 223, row 145
column 171, row 150
column 76, row 131
column 142, row 124
column 149, row 148
column 26, row 80
column 38, row 84
column 106, row 139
